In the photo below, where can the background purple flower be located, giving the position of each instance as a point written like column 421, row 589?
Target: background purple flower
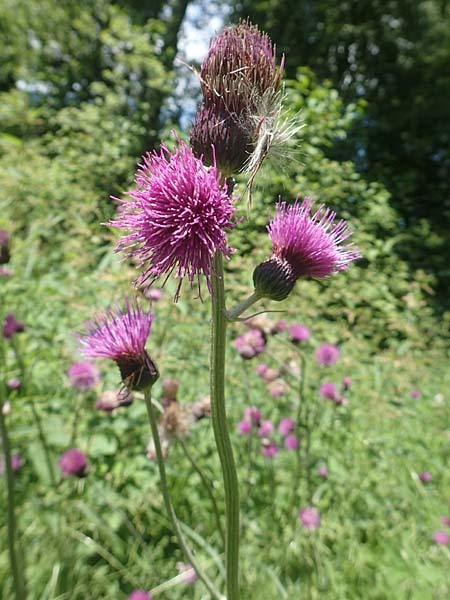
column 445, row 521
column 327, row 354
column 346, row 382
column 299, row 333
column 328, row 390
column 286, row 426
column 139, row 595
column 269, row 449
column 11, row 326
column 251, row 343
column 425, row 476
column 16, row 463
column 177, row 219
column 291, row 442
column 14, row 383
column 415, row 394
column 253, row 414
column 244, row 427
column 441, row 537
column 309, row 517
column 83, row 375
column 265, row 429
column 276, row 389
column 261, row 369
column 323, row 472
column 73, row 462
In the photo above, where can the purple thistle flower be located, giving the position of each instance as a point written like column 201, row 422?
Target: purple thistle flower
column 299, row 333
column 265, row 429
column 253, row 414
column 291, row 442
column 83, row 375
column 276, row 389
column 309, row 517
column 425, row 476
column 286, row 426
column 14, row 383
column 139, row 595
column 415, row 394
column 441, row 537
column 11, row 326
column 16, row 463
column 251, row 343
column 73, row 462
column 5, row 272
column 327, row 354
column 323, row 472
column 280, row 326
column 346, row 383
column 244, row 427
column 154, row 294
column 445, row 521
column 177, row 218
column 328, row 390
column 261, row 369
column 121, row 336
column 270, row 375
column 303, row 245
column 269, row 449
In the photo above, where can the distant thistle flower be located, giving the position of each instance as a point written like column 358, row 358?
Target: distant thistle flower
column 309, row 517
column 425, row 476
column 269, row 449
column 298, row 333
column 251, row 343
column 121, row 336
column 328, row 390
column 442, row 538
column 177, row 218
column 415, row 394
column 14, row 383
column 286, row 426
column 445, row 521
column 322, row 472
column 83, row 375
column 303, row 245
column 261, row 369
column 253, row 414
column 4, row 247
column 270, row 375
column 73, row 462
column 244, row 427
column 154, row 294
column 139, row 595
column 346, row 383
column 280, row 326
column 5, row 272
column 11, row 326
column 327, row 354
column 276, row 389
column 16, row 463
column 291, row 442
column 265, row 429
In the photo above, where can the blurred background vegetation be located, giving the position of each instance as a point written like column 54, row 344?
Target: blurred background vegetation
column 86, row 87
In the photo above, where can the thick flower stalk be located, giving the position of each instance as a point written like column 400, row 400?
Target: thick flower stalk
column 304, row 244
column 177, row 218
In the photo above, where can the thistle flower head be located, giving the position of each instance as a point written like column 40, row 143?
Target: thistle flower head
column 83, row 375
column 268, row 448
column 177, row 218
column 309, row 517
column 121, row 336
column 73, row 462
column 240, row 59
column 328, row 390
column 442, row 538
column 139, row 595
column 303, row 245
column 11, row 326
column 4, row 247
column 291, row 442
column 286, row 426
column 327, row 354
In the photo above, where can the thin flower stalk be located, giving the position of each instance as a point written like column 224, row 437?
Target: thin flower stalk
column 16, row 569
column 168, row 502
column 220, row 427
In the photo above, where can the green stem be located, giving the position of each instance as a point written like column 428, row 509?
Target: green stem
column 220, row 427
column 207, row 485
column 235, row 312
column 167, row 501
column 18, row 580
column 301, row 412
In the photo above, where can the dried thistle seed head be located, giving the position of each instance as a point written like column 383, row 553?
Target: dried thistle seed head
column 240, row 59
column 176, row 421
column 221, row 138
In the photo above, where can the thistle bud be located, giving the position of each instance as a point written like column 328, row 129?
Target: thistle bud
column 138, row 372
column 240, row 65
column 274, row 278
column 231, row 138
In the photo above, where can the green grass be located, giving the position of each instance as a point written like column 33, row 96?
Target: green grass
column 102, row 536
